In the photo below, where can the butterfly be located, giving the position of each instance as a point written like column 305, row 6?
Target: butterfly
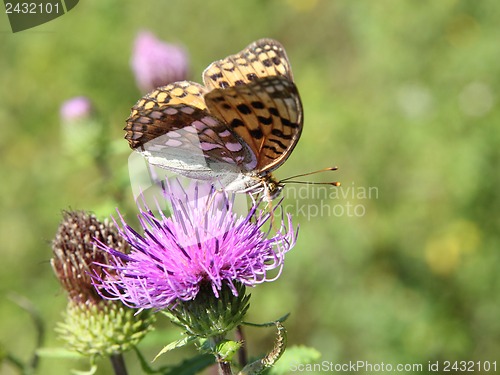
column 237, row 128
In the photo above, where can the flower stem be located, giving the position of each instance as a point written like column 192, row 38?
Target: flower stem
column 118, row 364
column 242, row 353
column 225, row 368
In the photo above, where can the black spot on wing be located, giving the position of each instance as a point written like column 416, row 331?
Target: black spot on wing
column 237, row 122
column 256, row 133
column 280, row 134
column 216, row 76
column 257, row 105
column 273, row 111
column 278, row 142
column 218, row 99
column 287, row 122
column 244, row 109
column 265, row 120
column 273, row 149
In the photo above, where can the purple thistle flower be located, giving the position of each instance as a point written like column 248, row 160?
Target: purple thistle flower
column 203, row 244
column 156, row 63
column 76, row 108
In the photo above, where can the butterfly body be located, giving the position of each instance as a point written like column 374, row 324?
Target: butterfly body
column 235, row 130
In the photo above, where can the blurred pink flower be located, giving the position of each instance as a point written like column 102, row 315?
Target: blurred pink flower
column 156, row 63
column 76, row 108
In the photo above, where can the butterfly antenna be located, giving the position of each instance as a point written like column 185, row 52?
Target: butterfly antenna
column 289, row 180
column 333, row 183
column 310, row 173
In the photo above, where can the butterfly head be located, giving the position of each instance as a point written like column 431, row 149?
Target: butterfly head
column 272, row 187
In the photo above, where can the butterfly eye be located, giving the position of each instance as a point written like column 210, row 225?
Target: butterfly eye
column 274, row 189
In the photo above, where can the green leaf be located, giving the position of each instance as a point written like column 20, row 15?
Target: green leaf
column 191, row 366
column 58, row 353
column 292, row 357
column 176, row 344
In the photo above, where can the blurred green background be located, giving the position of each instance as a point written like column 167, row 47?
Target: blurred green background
column 401, row 95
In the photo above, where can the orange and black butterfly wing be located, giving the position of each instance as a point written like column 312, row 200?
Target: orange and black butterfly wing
column 254, row 94
column 263, row 58
column 173, row 129
column 266, row 114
